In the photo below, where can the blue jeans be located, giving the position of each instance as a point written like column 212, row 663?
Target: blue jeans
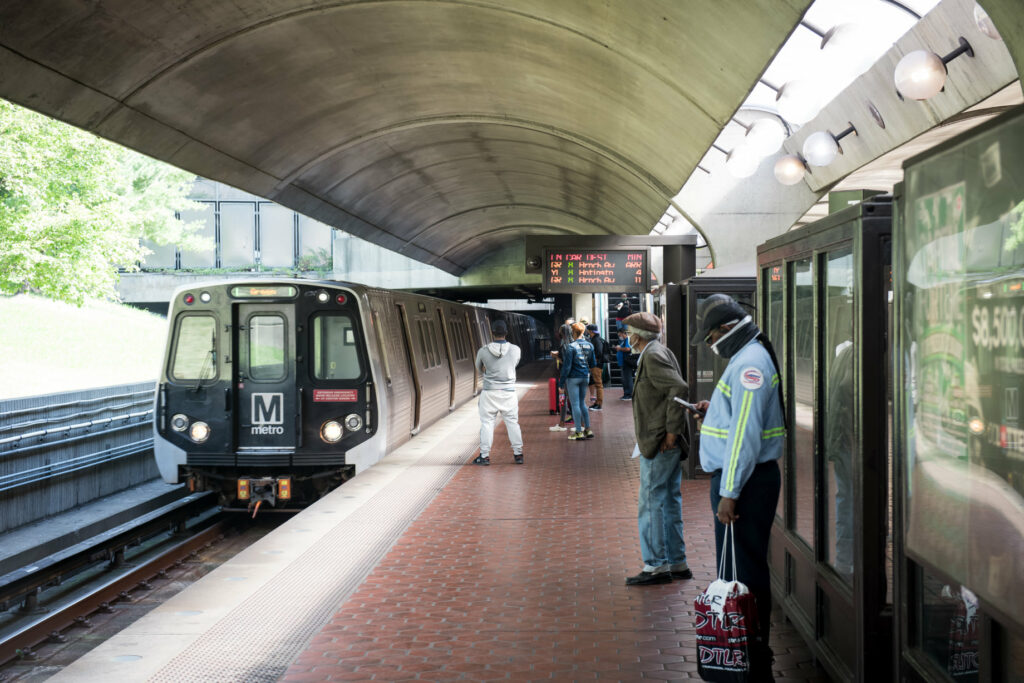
column 576, row 388
column 627, row 381
column 660, row 509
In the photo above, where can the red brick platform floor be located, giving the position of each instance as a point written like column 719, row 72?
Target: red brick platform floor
column 517, row 573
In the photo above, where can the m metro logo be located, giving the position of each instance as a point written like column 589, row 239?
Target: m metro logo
column 267, row 413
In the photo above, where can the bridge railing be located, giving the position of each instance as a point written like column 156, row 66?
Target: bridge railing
column 60, row 451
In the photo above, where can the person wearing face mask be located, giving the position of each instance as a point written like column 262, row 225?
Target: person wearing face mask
column 660, row 427
column 742, row 437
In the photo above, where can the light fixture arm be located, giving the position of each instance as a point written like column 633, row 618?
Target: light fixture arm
column 964, row 47
column 723, row 151
column 852, row 129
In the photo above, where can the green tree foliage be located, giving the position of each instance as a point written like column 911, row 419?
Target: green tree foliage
column 74, row 208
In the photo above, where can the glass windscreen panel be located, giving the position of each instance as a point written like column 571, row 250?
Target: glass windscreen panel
column 838, row 416
column 775, row 334
column 267, row 348
column 195, row 349
column 801, row 431
column 961, row 292
column 335, row 352
column 947, row 626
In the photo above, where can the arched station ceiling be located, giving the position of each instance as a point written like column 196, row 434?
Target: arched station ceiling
column 444, row 130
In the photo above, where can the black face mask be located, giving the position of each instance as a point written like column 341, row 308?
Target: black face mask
column 736, row 338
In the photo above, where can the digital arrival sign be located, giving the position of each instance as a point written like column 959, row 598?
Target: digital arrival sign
column 570, row 270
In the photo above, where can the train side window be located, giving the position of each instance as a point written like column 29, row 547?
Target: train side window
column 424, row 347
column 383, row 346
column 195, row 349
column 335, row 352
column 435, row 357
column 267, row 360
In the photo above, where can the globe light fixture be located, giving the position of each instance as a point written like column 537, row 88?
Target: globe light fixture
column 765, row 136
column 821, row 148
column 790, row 169
column 922, row 74
column 985, row 24
column 797, row 101
column 742, row 162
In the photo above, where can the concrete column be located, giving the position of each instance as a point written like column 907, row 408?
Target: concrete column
column 583, row 306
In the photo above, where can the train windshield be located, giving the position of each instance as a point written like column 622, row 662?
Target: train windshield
column 335, row 352
column 266, row 348
column 195, row 353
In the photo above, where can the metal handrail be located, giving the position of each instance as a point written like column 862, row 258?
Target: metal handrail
column 147, row 399
column 78, row 402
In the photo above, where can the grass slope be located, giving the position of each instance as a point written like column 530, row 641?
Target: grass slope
column 48, row 347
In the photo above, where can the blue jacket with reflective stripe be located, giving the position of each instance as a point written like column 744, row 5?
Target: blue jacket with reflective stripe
column 743, row 426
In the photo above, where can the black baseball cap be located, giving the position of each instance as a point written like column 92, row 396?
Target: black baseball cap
column 499, row 328
column 713, row 312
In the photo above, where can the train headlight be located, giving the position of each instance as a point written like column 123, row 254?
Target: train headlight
column 323, row 297
column 331, row 431
column 354, row 423
column 205, row 296
column 179, row 422
column 199, row 432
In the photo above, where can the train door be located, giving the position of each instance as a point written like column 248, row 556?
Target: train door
column 265, row 390
column 447, row 338
column 414, row 368
column 475, row 344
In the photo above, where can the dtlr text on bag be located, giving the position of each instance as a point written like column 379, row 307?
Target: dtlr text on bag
column 726, row 617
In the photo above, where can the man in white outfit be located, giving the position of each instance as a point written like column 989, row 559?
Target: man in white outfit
column 497, row 362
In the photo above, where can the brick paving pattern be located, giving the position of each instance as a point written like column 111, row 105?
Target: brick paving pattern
column 517, row 573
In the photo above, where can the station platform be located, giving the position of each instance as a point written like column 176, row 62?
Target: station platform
column 426, row 567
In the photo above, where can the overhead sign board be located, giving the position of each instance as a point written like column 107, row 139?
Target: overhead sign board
column 568, row 270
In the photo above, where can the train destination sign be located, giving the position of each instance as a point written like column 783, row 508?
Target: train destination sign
column 567, row 269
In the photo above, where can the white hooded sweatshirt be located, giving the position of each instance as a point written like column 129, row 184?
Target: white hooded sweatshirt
column 497, row 361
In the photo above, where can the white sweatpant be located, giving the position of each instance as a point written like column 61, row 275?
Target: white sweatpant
column 491, row 404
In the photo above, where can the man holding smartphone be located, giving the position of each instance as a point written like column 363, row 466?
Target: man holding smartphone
column 742, row 437
column 660, row 425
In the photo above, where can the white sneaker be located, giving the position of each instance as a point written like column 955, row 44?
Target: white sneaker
column 557, row 428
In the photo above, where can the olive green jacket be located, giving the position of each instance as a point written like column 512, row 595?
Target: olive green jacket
column 655, row 414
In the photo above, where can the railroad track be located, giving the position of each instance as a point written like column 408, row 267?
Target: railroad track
column 60, row 592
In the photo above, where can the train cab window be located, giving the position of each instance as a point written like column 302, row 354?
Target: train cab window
column 267, row 348
column 335, row 352
column 195, row 351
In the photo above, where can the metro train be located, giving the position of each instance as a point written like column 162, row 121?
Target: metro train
column 274, row 392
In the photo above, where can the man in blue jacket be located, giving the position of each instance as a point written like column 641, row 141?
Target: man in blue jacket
column 741, row 441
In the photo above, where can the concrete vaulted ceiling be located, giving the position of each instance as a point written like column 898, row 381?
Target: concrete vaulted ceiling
column 444, row 130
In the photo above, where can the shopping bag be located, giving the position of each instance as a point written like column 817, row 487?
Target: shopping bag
column 726, row 620
column 963, row 634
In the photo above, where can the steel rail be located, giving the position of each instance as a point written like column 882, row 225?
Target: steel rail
column 19, row 644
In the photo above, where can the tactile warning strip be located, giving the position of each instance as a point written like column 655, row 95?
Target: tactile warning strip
column 259, row 639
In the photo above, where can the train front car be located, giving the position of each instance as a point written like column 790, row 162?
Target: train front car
column 266, row 394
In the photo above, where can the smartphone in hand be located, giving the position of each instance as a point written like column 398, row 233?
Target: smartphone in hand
column 697, row 412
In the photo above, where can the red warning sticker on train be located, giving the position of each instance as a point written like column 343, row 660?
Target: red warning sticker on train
column 335, row 395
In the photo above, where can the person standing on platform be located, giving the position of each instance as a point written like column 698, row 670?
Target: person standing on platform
column 742, row 437
column 627, row 365
column 660, row 426
column 565, row 408
column 497, row 362
column 576, row 365
column 600, row 358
